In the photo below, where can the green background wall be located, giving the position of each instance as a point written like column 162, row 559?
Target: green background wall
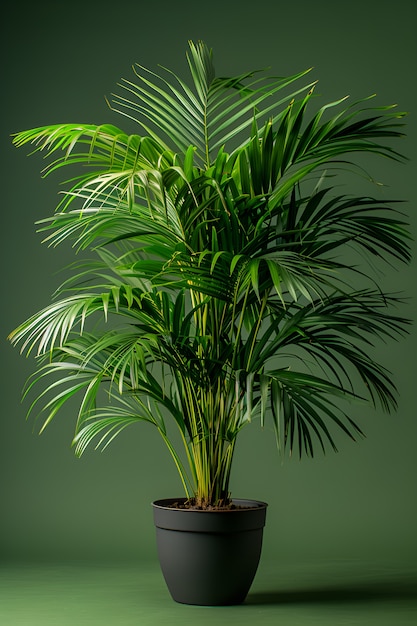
column 58, row 61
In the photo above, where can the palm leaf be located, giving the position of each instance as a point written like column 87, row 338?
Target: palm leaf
column 218, row 111
column 219, row 290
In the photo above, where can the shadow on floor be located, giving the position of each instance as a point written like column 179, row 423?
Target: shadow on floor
column 382, row 591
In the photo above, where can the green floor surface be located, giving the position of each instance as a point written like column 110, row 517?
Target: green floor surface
column 291, row 594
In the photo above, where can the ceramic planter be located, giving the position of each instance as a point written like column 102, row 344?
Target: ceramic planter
column 209, row 557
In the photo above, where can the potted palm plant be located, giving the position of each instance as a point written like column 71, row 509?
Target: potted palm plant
column 219, row 291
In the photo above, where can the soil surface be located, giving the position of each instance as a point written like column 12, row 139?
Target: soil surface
column 191, row 505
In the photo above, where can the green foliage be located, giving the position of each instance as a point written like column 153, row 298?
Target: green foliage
column 220, row 288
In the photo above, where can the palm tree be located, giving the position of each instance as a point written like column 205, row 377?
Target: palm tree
column 220, row 289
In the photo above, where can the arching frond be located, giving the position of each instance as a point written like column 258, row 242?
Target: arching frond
column 226, row 279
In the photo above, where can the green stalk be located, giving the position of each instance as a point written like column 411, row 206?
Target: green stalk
column 258, row 325
column 181, row 470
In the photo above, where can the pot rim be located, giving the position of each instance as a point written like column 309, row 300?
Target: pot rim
column 243, row 503
column 248, row 515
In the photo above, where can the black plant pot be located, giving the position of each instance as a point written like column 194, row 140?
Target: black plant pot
column 209, row 557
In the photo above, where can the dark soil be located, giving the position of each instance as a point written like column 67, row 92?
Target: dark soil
column 193, row 506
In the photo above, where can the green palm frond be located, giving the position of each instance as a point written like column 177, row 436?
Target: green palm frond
column 227, row 280
column 303, row 411
column 211, row 115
